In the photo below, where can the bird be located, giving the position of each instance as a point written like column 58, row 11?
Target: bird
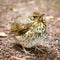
column 29, row 34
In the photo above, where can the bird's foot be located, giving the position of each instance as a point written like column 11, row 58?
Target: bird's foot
column 26, row 52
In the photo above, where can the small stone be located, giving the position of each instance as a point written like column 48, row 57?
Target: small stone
column 48, row 17
column 2, row 34
column 58, row 18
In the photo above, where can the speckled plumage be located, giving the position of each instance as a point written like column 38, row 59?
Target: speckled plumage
column 29, row 34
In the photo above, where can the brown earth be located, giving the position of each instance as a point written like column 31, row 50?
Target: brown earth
column 11, row 9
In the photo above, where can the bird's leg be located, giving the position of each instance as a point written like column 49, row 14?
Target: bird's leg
column 25, row 51
column 39, row 49
column 28, row 52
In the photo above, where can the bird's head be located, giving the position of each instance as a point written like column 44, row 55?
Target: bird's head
column 36, row 16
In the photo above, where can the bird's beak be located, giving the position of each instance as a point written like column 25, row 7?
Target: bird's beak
column 42, row 15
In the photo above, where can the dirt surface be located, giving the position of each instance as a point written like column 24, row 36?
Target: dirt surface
column 11, row 9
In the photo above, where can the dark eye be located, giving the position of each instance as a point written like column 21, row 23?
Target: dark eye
column 34, row 16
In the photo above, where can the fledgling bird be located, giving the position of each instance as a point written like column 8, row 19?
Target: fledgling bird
column 29, row 31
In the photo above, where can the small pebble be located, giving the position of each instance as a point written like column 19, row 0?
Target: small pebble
column 2, row 34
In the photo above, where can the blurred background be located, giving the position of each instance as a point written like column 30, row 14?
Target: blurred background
column 12, row 9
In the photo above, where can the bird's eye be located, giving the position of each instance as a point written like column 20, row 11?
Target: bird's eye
column 34, row 16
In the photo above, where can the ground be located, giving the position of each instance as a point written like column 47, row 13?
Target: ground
column 11, row 9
